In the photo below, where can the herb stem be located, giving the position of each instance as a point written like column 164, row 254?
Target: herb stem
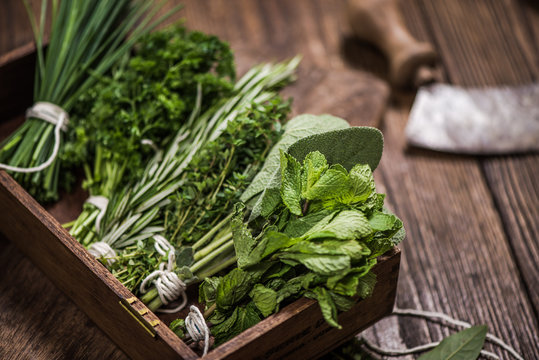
column 199, row 264
column 212, row 246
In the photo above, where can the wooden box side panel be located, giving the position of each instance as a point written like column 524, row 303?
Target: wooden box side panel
column 299, row 330
column 75, row 272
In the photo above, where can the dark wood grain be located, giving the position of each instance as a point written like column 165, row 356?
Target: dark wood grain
column 32, row 309
column 79, row 275
column 466, row 216
column 508, row 56
column 472, row 222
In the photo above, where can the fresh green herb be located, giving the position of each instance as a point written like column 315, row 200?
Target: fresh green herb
column 133, row 212
column 464, row 345
column 320, row 241
column 87, row 36
column 145, row 100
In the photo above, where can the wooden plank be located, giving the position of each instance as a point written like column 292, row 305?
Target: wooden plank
column 500, row 52
column 38, row 321
column 260, row 31
column 74, row 271
column 460, row 261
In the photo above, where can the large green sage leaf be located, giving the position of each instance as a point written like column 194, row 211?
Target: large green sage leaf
column 464, row 345
column 356, row 145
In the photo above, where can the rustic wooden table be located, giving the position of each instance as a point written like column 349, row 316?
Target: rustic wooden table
column 473, row 222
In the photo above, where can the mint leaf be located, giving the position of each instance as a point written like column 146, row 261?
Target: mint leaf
column 298, row 227
column 291, row 183
column 327, row 305
column 264, row 298
column 348, row 147
column 361, row 184
column 178, row 326
column 314, row 166
column 330, row 185
column 464, row 345
column 323, row 264
column 346, row 225
column 243, row 240
column 207, row 291
column 232, row 288
column 366, row 285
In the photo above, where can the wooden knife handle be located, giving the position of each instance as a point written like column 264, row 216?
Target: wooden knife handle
column 380, row 23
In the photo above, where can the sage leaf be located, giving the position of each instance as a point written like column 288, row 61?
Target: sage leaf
column 464, row 345
column 356, row 145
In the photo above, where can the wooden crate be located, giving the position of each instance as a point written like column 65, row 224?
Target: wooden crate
column 298, row 330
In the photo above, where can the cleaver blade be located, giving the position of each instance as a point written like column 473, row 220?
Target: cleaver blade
column 475, row 120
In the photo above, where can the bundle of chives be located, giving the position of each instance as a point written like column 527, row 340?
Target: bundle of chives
column 87, row 37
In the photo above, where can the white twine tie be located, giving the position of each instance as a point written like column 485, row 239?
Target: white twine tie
column 101, row 203
column 432, row 316
column 53, row 114
column 169, row 286
column 101, row 249
column 197, row 328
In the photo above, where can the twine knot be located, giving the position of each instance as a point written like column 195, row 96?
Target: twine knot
column 53, row 114
column 103, row 250
column 197, row 328
column 169, row 286
column 101, row 203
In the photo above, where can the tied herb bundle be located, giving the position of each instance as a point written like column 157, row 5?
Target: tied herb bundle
column 122, row 119
column 86, row 37
column 320, row 239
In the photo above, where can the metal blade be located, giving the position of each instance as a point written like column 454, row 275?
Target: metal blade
column 475, row 121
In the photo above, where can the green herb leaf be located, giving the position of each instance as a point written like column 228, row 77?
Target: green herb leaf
column 366, row 285
column 291, row 183
column 327, row 305
column 346, row 225
column 323, row 264
column 464, row 345
column 268, row 177
column 299, row 226
column 207, row 292
column 331, row 185
column 243, row 240
column 178, row 327
column 356, row 145
column 264, row 298
column 232, row 288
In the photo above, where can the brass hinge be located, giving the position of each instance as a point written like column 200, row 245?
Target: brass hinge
column 138, row 311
